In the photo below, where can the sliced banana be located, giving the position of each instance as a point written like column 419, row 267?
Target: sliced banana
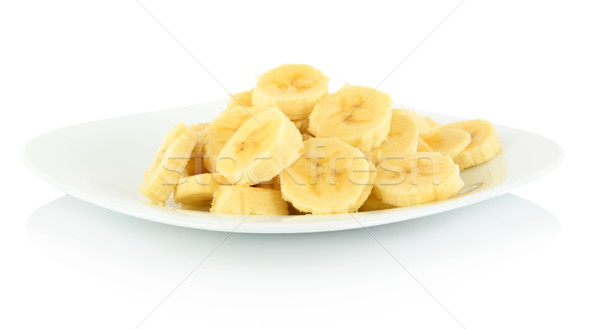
column 359, row 116
column 169, row 164
column 200, row 129
column 403, row 137
column 374, row 203
column 260, row 149
column 246, row 200
column 417, row 178
column 484, row 145
column 272, row 184
column 289, row 146
column 243, row 99
column 293, row 88
column 196, row 163
column 301, row 125
column 307, row 136
column 223, row 127
column 197, row 189
column 431, row 123
column 448, row 141
column 423, row 146
column 330, row 177
column 424, row 124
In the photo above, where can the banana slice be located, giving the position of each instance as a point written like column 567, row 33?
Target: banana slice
column 301, row 125
column 484, row 145
column 423, row 123
column 403, row 137
column 260, row 149
column 330, row 177
column 307, row 136
column 293, row 88
column 246, row 200
column 431, row 123
column 169, row 164
column 417, row 178
column 197, row 189
column 374, row 203
column 195, row 165
column 243, row 99
column 222, row 128
column 448, row 141
column 359, row 116
column 272, row 184
column 199, row 128
column 423, row 146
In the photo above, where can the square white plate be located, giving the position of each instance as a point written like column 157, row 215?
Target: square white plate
column 102, row 162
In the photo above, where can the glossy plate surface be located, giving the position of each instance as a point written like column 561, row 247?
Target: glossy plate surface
column 102, row 162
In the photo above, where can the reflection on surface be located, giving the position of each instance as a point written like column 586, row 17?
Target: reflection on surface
column 101, row 242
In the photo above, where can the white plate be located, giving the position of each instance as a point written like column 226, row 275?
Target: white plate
column 102, row 162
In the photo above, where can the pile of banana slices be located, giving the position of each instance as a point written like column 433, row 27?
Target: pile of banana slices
column 288, row 146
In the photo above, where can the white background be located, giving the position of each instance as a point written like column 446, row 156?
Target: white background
column 529, row 259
